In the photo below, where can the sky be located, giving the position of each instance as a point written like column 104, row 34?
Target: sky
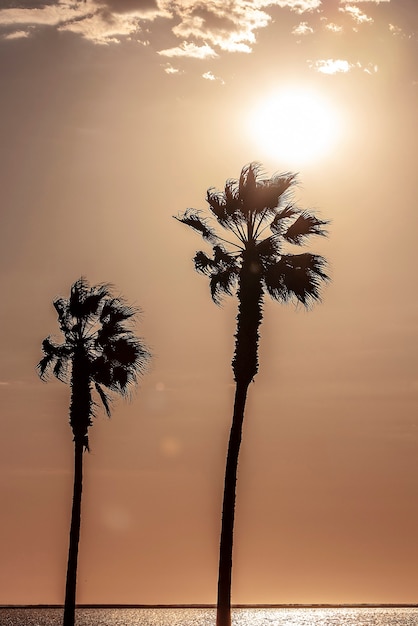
column 116, row 115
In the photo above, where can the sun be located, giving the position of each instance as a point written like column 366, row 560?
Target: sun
column 295, row 125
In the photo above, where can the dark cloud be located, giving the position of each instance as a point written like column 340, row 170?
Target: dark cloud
column 129, row 6
column 26, row 4
column 212, row 21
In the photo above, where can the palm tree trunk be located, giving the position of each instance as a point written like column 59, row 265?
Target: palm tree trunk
column 70, row 587
column 80, row 410
column 223, row 614
column 245, row 365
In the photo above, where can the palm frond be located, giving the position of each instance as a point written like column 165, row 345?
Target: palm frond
column 61, row 305
column 65, row 319
column 232, row 199
column 115, row 319
column 109, row 331
column 102, row 371
column 79, row 292
column 45, row 365
column 268, row 247
column 123, row 351
column 282, row 183
column 248, row 207
column 220, row 255
column 104, row 398
column 61, row 369
column 122, row 378
column 247, row 187
column 50, row 348
column 116, row 310
column 85, row 301
column 226, row 207
column 262, row 196
column 143, row 357
column 217, row 204
column 306, row 224
column 203, row 263
column 91, row 304
column 194, row 220
column 248, row 179
column 281, row 219
column 222, row 282
column 271, row 193
column 55, row 360
column 296, row 275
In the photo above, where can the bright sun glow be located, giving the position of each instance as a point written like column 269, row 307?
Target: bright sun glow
column 295, row 125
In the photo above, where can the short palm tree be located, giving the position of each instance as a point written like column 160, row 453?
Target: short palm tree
column 259, row 219
column 99, row 353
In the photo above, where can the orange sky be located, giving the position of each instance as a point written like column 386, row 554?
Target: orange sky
column 116, row 115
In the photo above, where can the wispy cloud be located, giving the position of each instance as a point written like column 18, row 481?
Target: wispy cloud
column 331, row 66
column 333, row 28
column 169, row 69
column 189, row 50
column 100, row 21
column 359, row 16
column 336, row 66
column 396, row 30
column 212, row 77
column 17, row 34
column 202, row 29
column 230, row 26
column 300, row 6
column 102, row 28
column 302, row 29
column 362, row 1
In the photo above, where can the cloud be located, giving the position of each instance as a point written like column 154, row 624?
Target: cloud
column 300, row 6
column 100, row 21
column 357, row 14
column 189, row 50
column 169, row 69
column 227, row 26
column 396, row 30
column 44, row 15
column 361, row 1
column 203, row 28
column 333, row 28
column 17, row 34
column 103, row 28
column 331, row 66
column 336, row 66
column 371, row 68
column 230, row 26
column 302, row 29
column 212, row 77
column 23, row 4
column 137, row 7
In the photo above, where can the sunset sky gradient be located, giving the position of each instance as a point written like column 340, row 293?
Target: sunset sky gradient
column 116, row 115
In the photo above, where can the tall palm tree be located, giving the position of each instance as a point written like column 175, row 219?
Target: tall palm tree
column 260, row 219
column 99, row 352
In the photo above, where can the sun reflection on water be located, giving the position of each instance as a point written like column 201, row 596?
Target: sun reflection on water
column 206, row 617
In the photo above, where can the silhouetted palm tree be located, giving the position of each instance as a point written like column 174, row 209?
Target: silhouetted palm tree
column 101, row 353
column 260, row 216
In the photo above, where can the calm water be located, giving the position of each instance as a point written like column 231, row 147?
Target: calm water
column 206, row 617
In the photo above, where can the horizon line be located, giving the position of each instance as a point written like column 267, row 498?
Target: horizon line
column 294, row 605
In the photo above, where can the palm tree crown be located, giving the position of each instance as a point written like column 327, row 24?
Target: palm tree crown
column 99, row 351
column 262, row 218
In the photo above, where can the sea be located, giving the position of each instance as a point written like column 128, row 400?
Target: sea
column 318, row 616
